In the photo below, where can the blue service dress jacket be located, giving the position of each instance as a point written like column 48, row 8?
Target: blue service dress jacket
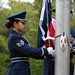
column 20, row 51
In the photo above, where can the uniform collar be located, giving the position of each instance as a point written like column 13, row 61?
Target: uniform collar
column 13, row 31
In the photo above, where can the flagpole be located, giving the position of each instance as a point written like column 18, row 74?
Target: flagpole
column 62, row 59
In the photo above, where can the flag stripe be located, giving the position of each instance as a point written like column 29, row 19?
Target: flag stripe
column 43, row 23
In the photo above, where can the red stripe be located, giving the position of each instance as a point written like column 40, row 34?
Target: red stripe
column 51, row 34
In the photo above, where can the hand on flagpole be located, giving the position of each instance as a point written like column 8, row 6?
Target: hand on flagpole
column 53, row 54
column 51, row 51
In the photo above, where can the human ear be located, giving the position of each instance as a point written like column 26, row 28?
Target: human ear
column 15, row 24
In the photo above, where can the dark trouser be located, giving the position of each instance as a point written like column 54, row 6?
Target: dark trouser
column 48, row 67
column 51, row 67
column 71, row 68
column 52, row 70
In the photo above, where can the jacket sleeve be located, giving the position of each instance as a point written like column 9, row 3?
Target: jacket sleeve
column 20, row 45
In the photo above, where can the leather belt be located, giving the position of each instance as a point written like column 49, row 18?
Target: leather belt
column 19, row 59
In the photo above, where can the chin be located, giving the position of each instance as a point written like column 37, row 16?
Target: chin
column 21, row 30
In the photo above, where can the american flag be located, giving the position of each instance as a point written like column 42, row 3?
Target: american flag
column 45, row 28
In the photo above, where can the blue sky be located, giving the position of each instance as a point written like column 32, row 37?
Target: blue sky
column 6, row 1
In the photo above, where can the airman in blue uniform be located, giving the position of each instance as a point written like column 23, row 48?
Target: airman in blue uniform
column 72, row 41
column 19, row 47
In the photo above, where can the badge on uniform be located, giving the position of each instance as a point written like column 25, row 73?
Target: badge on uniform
column 21, row 43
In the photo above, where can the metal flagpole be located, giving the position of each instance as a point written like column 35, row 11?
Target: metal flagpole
column 62, row 59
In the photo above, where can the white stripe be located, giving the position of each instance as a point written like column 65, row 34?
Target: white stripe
column 42, row 52
column 43, row 9
column 51, row 1
column 54, row 23
column 19, row 61
column 19, row 19
column 49, row 37
column 18, row 58
column 72, row 1
column 42, row 17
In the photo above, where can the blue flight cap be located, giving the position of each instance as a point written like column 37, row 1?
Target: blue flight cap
column 18, row 16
